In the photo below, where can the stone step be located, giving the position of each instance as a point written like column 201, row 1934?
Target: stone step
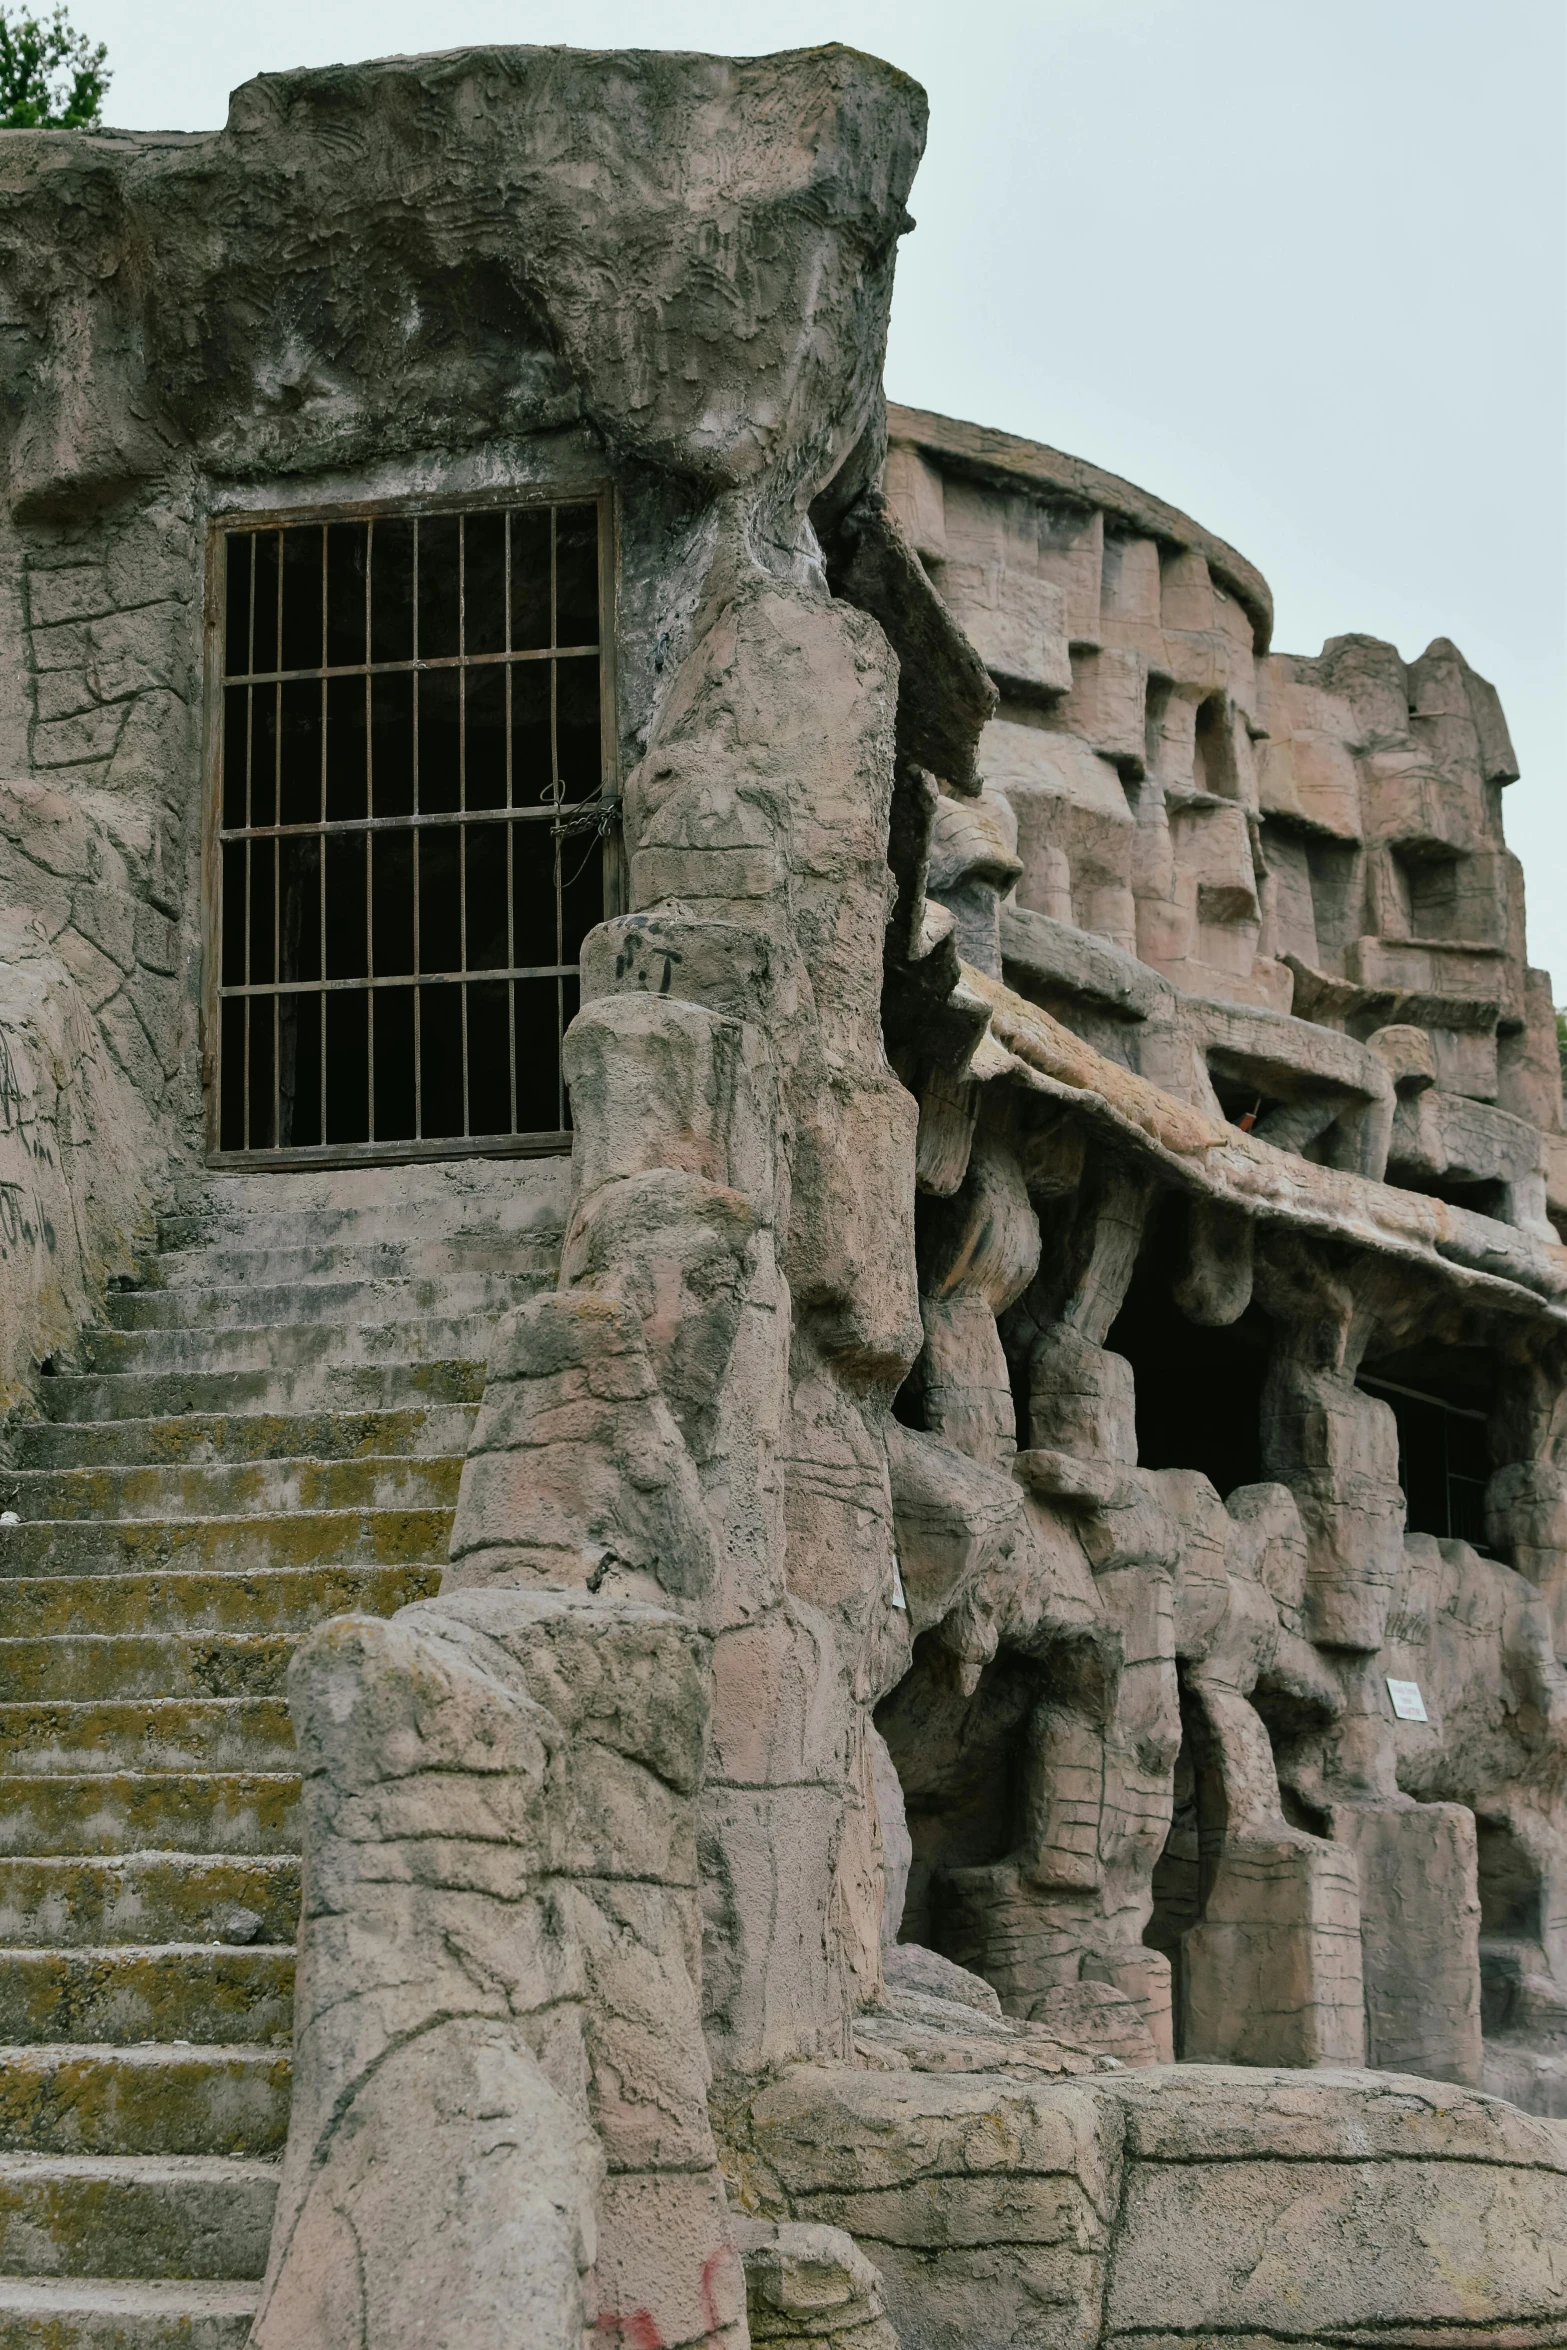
column 520, row 1256
column 139, row 2215
column 233, row 1488
column 140, row 1811
column 203, row 1993
column 125, row 2313
column 85, row 2098
column 71, row 1900
column 269, row 1431
column 81, row 1666
column 205, row 1438
column 60, row 1738
column 345, row 1304
column 191, row 1599
column 288, row 1346
column 519, row 1196
column 347, row 1387
column 135, row 1546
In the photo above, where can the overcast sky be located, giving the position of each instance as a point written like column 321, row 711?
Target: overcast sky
column 1299, row 266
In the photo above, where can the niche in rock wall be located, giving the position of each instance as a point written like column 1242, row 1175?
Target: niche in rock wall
column 1334, row 871
column 1481, row 1195
column 959, row 1758
column 1198, row 1390
column 1440, row 1397
column 1296, row 1726
column 1213, row 750
column 1512, row 1923
column 1184, row 1872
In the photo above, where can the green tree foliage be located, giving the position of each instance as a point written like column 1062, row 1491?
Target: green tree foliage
column 51, row 76
column 1561, row 1042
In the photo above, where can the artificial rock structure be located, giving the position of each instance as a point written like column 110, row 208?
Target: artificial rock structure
column 922, row 1657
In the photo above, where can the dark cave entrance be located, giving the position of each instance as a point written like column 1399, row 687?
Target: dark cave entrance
column 1198, row 1391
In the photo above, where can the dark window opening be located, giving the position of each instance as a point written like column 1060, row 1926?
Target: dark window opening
column 1511, row 1909
column 412, row 785
column 1198, row 1391
column 1213, row 750
column 1433, row 891
column 1155, row 709
column 1244, row 1104
column 1334, row 871
column 1485, row 1198
column 1280, row 1106
column 1439, row 1397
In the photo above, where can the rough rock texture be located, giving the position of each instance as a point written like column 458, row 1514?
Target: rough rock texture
column 497, row 2034
column 1027, row 1536
column 88, row 949
column 1240, row 955
column 1159, row 2205
column 808, row 2285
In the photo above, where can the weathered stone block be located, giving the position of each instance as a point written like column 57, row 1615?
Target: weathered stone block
column 1419, row 1928
column 459, row 2190
column 1272, row 1975
column 990, row 2202
column 577, row 1469
column 1337, row 1450
column 657, row 1083
column 1080, row 1399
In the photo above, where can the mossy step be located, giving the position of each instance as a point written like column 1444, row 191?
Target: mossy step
column 137, row 2215
column 190, row 1598
column 55, row 1736
column 520, row 1212
column 287, row 1346
column 517, row 1255
column 231, row 1489
column 124, row 2313
column 140, row 1811
column 207, row 1438
column 88, row 2099
column 201, row 1993
column 345, row 1304
column 73, row 1900
column 298, row 1538
column 518, row 1209
column 85, row 1665
column 370, row 1387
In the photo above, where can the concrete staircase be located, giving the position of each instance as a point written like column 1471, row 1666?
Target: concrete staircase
column 268, row 1433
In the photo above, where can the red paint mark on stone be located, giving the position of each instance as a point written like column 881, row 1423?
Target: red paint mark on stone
column 632, row 2330
column 712, row 2315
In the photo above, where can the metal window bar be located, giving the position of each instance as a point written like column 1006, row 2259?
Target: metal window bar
column 403, row 1074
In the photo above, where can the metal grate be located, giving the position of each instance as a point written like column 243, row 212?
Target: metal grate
column 411, row 802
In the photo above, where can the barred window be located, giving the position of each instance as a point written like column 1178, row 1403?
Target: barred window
column 411, row 796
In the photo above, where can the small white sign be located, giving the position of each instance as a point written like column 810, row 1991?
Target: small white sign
column 1408, row 1704
column 898, row 1599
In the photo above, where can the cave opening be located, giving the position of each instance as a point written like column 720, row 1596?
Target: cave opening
column 1197, row 1390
